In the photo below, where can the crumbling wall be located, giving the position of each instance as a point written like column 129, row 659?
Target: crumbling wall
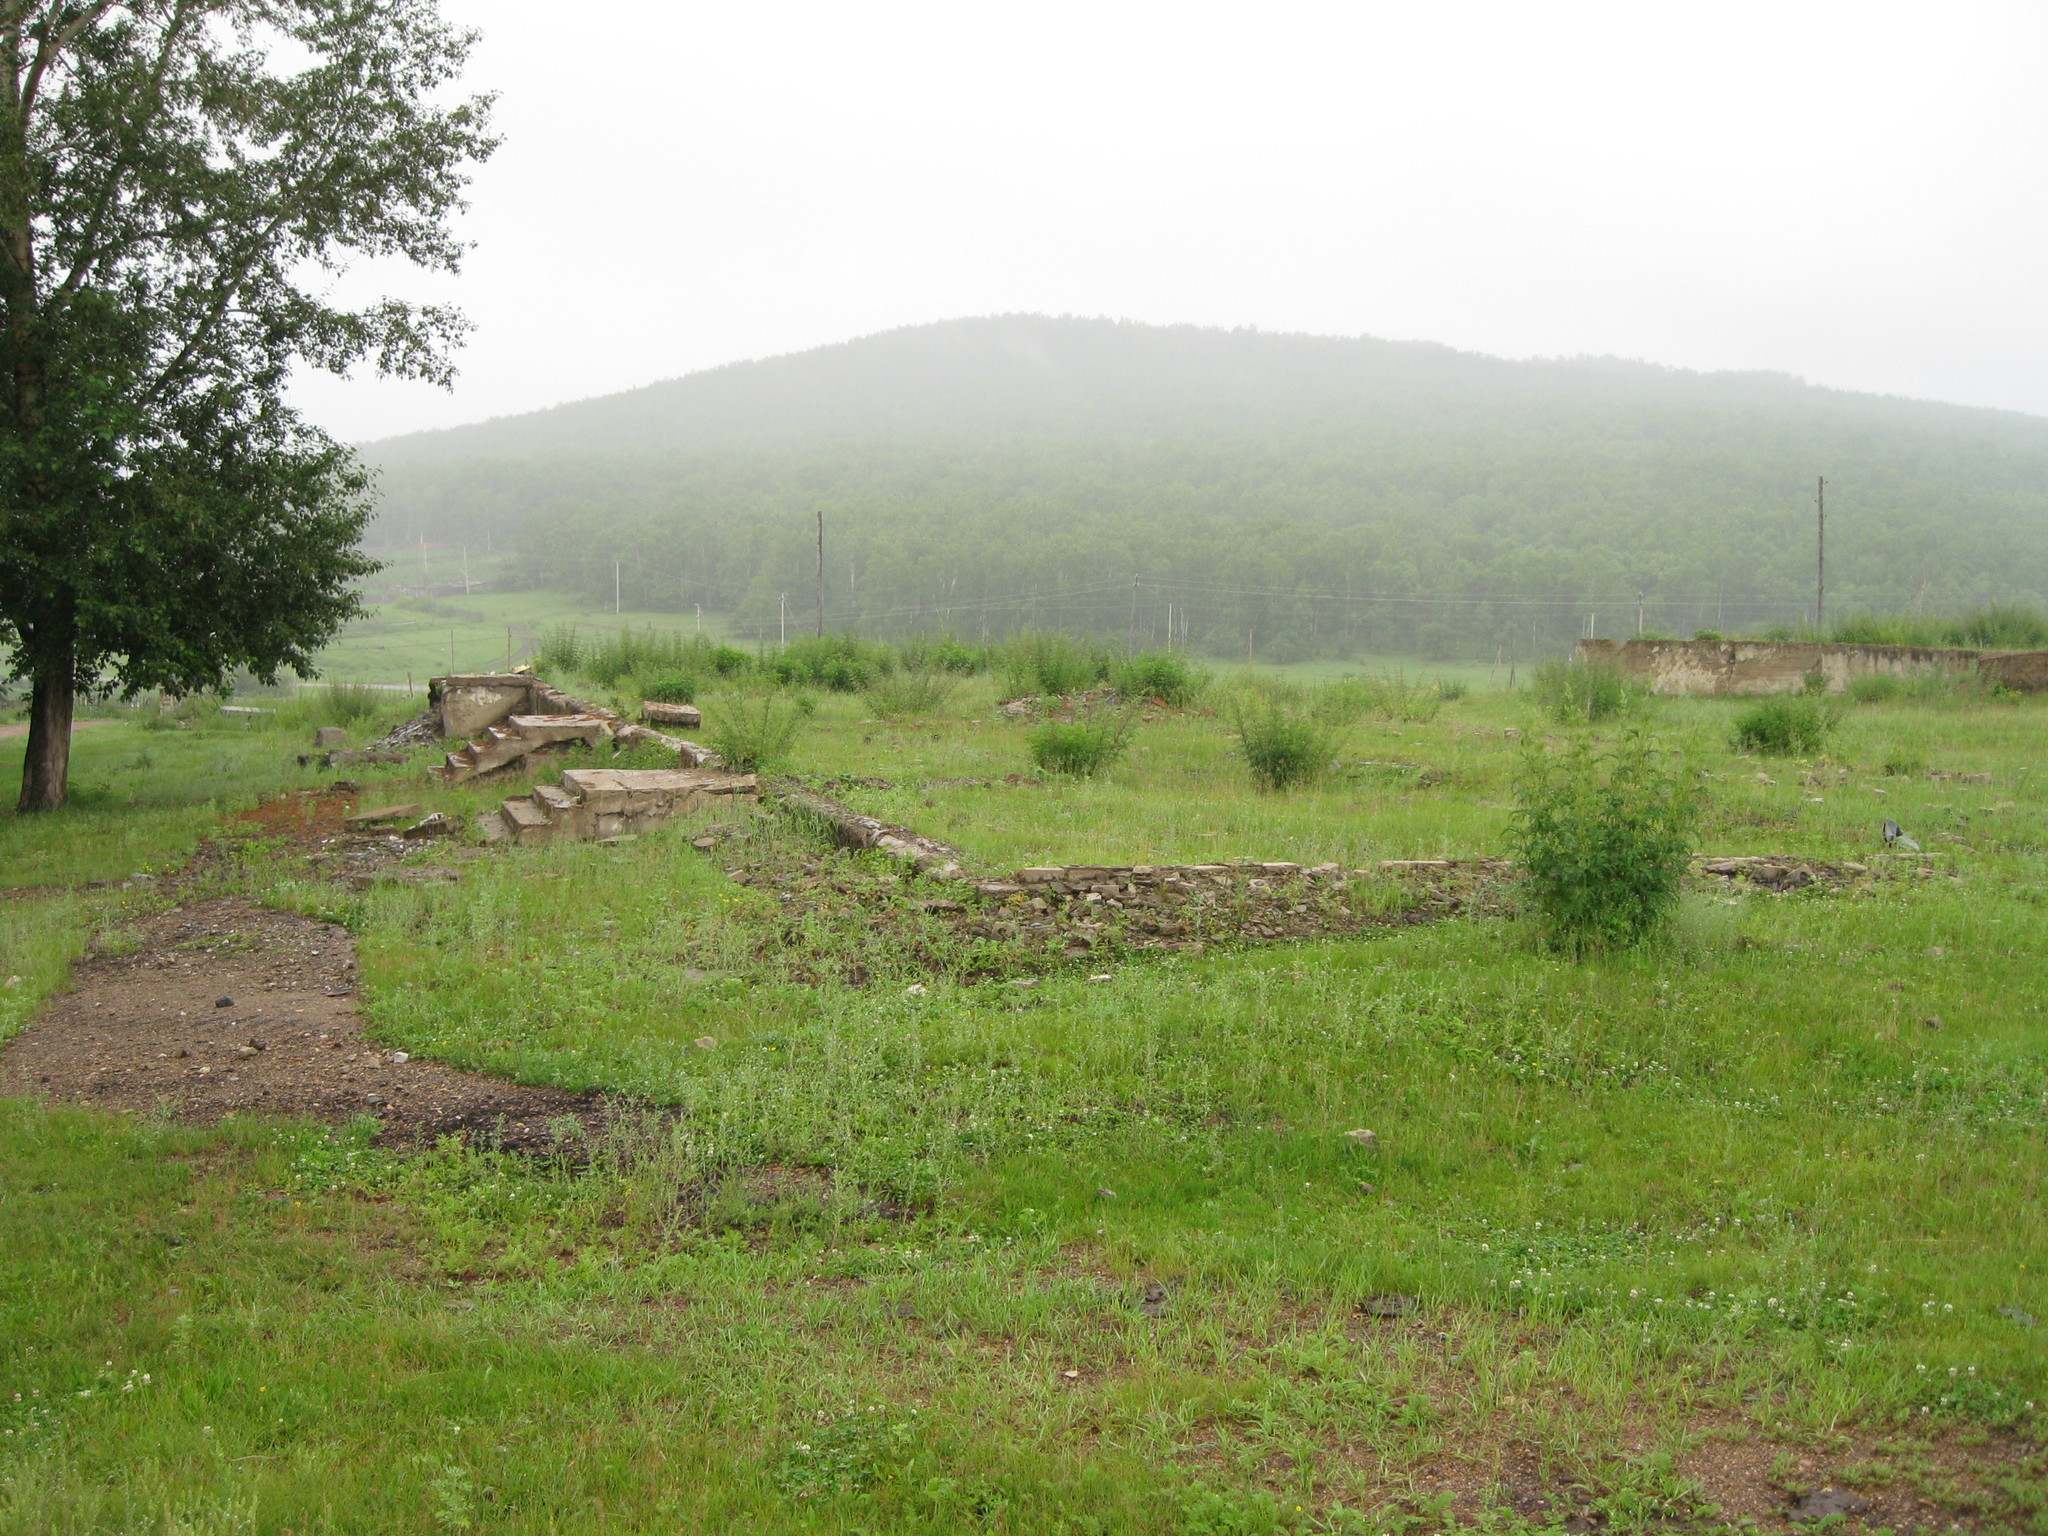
column 1783, row 666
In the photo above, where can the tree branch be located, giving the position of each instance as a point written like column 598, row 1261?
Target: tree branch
column 56, row 37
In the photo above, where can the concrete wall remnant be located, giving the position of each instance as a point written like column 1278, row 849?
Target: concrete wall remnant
column 1707, row 667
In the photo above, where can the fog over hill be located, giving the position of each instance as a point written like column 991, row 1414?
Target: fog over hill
column 1287, row 495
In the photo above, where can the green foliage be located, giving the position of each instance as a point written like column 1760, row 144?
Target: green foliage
column 1049, row 663
column 908, row 695
column 170, row 516
column 1785, row 725
column 1603, row 839
column 1706, row 634
column 1164, row 675
column 1585, row 692
column 2000, row 627
column 349, row 703
column 942, row 653
column 1083, row 747
column 1389, row 696
column 670, row 687
column 836, row 663
column 1289, row 736
column 755, row 732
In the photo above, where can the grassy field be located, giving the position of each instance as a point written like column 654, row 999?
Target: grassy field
column 1658, row 1241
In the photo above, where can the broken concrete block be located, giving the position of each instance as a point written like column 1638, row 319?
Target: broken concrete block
column 653, row 712
column 330, row 736
column 383, row 813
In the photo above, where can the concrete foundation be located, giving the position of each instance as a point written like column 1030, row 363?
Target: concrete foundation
column 1705, row 667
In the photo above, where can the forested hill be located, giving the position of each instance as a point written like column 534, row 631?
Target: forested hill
column 1294, row 495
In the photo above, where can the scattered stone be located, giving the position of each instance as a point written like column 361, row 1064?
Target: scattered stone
column 1935, row 952
column 383, row 813
column 1389, row 1305
column 2015, row 1315
column 223, row 1002
column 705, row 1043
column 1102, row 976
column 1933, row 1021
column 330, row 736
column 904, row 1310
column 1105, row 1194
column 916, row 989
column 400, row 1058
column 1363, row 1137
column 434, row 824
column 1153, row 1303
column 1825, row 1504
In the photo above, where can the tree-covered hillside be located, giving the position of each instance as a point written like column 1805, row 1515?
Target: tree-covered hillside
column 1290, row 495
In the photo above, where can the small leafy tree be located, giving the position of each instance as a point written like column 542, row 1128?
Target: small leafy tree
column 1081, row 748
column 1291, row 735
column 1783, row 725
column 756, row 731
column 179, row 181
column 1603, row 839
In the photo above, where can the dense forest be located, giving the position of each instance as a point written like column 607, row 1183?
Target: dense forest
column 1238, row 492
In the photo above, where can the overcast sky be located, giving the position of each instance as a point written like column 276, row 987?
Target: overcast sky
column 1851, row 192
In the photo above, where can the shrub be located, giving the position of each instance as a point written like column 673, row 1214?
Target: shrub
column 909, row 695
column 1585, row 692
column 837, row 663
column 1162, row 675
column 755, row 731
column 1452, row 690
column 1603, row 840
column 1784, row 725
column 346, row 703
column 1875, row 687
column 1706, row 634
column 1083, row 747
column 1290, row 736
column 926, row 653
column 2001, row 627
column 670, row 688
column 1047, row 662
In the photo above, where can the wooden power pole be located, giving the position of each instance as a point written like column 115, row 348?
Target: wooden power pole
column 821, row 572
column 1820, row 557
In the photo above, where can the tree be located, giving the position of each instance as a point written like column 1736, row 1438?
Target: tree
column 179, row 181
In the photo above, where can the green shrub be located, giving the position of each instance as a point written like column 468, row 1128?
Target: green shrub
column 1784, row 725
column 1585, row 692
column 836, row 663
column 1164, row 675
column 1452, row 690
column 1603, row 840
column 1289, row 735
column 726, row 660
column 2001, row 627
column 670, row 688
column 928, row 653
column 1083, row 747
column 1875, row 687
column 1706, row 634
column 1904, row 765
column 1047, row 662
column 909, row 695
column 754, row 732
column 347, row 703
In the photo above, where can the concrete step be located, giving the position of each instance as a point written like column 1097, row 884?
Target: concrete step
column 457, row 768
column 492, row 825
column 554, row 799
column 589, row 729
column 529, row 823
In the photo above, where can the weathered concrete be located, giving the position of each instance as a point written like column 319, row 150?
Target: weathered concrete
column 654, row 712
column 330, row 736
column 612, row 802
column 1698, row 667
column 469, row 702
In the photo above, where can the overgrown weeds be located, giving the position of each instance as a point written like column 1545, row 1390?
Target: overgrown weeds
column 1585, row 692
column 1083, row 747
column 756, row 731
column 1603, row 839
column 1166, row 676
column 1785, row 725
column 910, row 695
column 1048, row 662
column 1290, row 736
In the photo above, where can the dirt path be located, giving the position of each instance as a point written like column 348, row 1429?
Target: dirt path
column 9, row 732
column 231, row 1008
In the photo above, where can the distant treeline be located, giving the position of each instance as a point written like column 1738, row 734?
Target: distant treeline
column 1420, row 502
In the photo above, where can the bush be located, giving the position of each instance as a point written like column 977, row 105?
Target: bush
column 608, row 658
column 1784, row 726
column 2001, row 627
column 1290, row 736
column 1706, row 634
column 755, row 731
column 1603, row 840
column 837, row 663
column 670, row 688
column 1162, row 675
column 1585, row 692
column 1875, row 687
column 909, row 695
column 1083, row 747
column 1452, row 690
column 1047, row 662
column 927, row 653
column 346, row 703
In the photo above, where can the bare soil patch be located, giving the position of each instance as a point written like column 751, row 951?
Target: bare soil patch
column 231, row 1008
column 9, row 732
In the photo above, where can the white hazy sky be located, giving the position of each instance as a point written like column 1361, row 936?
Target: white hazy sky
column 1853, row 192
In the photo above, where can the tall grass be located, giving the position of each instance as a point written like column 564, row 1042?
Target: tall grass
column 1048, row 662
column 2000, row 627
column 1585, row 692
column 755, row 731
column 1166, row 676
column 1081, row 748
column 1289, row 735
column 1785, row 725
column 909, row 695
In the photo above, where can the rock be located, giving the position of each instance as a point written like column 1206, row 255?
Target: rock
column 2015, row 1315
column 1102, row 976
column 1932, row 1021
column 1153, row 1302
column 223, row 1002
column 1363, row 1137
column 370, row 818
column 916, row 989
column 1824, row 1504
column 434, row 824
column 1105, row 1194
column 705, row 1043
column 1389, row 1305
column 400, row 1058
column 330, row 736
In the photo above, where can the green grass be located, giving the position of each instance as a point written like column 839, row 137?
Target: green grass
column 1731, row 1180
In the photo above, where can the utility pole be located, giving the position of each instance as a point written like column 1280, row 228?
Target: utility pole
column 617, row 606
column 1820, row 557
column 821, row 573
column 1131, row 630
column 785, row 618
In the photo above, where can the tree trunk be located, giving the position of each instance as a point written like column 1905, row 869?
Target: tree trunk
column 46, row 770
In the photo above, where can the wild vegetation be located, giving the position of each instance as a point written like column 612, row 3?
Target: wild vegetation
column 1732, row 1206
column 1237, row 493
